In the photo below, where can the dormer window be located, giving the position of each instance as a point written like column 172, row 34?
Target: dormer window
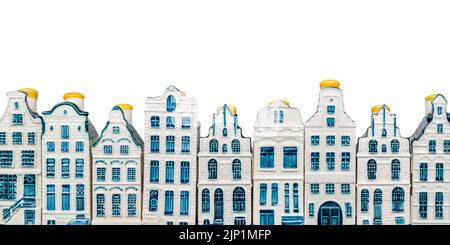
column 17, row 119
column 331, row 109
column 171, row 104
column 439, row 110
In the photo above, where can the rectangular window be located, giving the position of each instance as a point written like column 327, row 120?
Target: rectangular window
column 439, row 109
column 50, row 167
column 331, row 109
column 267, row 157
column 289, row 157
column 345, row 189
column 51, row 146
column 329, row 188
column 262, row 194
column 154, row 143
column 8, row 187
column 432, row 146
column 65, row 146
column 274, row 194
column 423, row 171
column 348, row 209
column 27, row 158
column 65, row 168
column 65, row 132
column 331, row 140
column 330, row 160
column 17, row 138
column 170, row 144
column 154, row 122
column 107, row 149
column 439, row 205
column 275, row 116
column 184, row 203
column 330, row 122
column 185, row 144
column 100, row 205
column 281, row 119
column 31, row 138
column 131, row 174
column 286, row 198
column 315, row 159
column 116, row 174
column 446, row 146
column 168, row 205
column 345, row 140
column 116, row 130
column 101, row 174
column 116, row 205
column 314, row 188
column 2, row 138
column 345, row 161
column 440, row 128
column 185, row 122
column 6, row 158
column 185, row 169
column 439, row 172
column 170, row 170
column 65, row 198
column 170, row 122
column 315, row 139
column 132, row 205
column 80, row 198
column 423, row 199
column 79, row 168
column 124, row 150
column 153, row 202
column 79, row 146
column 17, row 119
column 154, row 171
column 50, row 197
column 399, row 220
column 311, row 209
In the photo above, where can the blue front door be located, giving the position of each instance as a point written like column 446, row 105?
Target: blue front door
column 266, row 217
column 29, row 185
column 330, row 214
column 29, row 217
column 218, row 207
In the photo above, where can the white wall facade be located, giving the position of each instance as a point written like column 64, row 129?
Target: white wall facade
column 278, row 131
column 332, row 207
column 20, row 161
column 384, row 169
column 434, row 128
column 164, row 185
column 117, row 172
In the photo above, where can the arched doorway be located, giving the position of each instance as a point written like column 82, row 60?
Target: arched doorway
column 218, row 207
column 330, row 213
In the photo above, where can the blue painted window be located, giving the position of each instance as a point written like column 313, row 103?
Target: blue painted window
column 331, row 140
column 65, row 146
column 329, row 188
column 6, row 158
column 364, row 200
column 330, row 158
column 440, row 128
column 432, row 146
column 266, row 217
column 212, row 169
column 286, row 198
column 79, row 168
column 236, row 168
column 185, row 122
column 345, row 161
column 116, row 130
column 315, row 139
column 171, row 103
column 8, row 187
column 31, row 138
column 423, row 202
column 124, row 150
column 2, row 138
column 395, row 169
column 213, row 146
column 377, row 201
column 262, row 194
column 170, row 122
column 131, row 205
column 274, row 194
column 153, row 202
column 398, row 199
column 79, row 146
column 154, row 171
column 168, row 204
column 315, row 159
column 399, row 220
column 345, row 189
column 366, row 222
column 295, row 198
column 170, row 171
column 185, row 172
column 267, row 157
column 65, row 168
column 423, row 171
column 107, row 149
column 345, row 140
column 17, row 119
column 101, row 174
column 51, row 146
column 371, row 169
column 115, row 174
column 224, row 148
column 50, row 197
column 315, row 188
column 235, row 146
column 65, row 198
column 439, row 205
column 205, row 201
column 395, row 146
column 278, row 116
column 281, row 119
column 80, row 198
column 311, row 209
column 383, row 148
column 185, row 144
column 331, row 109
column 290, row 157
column 50, row 167
column 446, row 146
column 65, row 132
column 238, row 199
column 184, row 203
column 131, row 174
column 116, row 205
column 17, row 138
column 439, row 172
column 331, row 122
column 27, row 158
column 225, row 132
column 383, row 132
column 439, row 109
column 239, row 221
column 348, row 209
column 154, row 121
column 373, row 145
column 154, row 143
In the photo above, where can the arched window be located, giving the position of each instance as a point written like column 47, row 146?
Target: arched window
column 212, row 169
column 236, row 168
column 371, row 169
column 398, row 199
column 235, row 146
column 364, row 200
column 171, row 103
column 238, row 199
column 213, row 146
column 206, row 222
column 224, row 148
column 395, row 169
column 373, row 145
column 395, row 146
column 205, row 200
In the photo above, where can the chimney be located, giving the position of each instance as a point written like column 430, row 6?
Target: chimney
column 428, row 104
column 76, row 98
column 127, row 112
column 32, row 96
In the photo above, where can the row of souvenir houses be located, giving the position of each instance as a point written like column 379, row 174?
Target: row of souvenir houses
column 56, row 169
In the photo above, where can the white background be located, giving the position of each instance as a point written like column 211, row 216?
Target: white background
column 245, row 53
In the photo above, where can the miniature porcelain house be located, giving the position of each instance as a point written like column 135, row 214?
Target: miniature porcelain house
column 278, row 166
column 330, row 161
column 20, row 159
column 66, row 162
column 430, row 158
column 117, row 171
column 225, row 168
column 383, row 177
column 170, row 166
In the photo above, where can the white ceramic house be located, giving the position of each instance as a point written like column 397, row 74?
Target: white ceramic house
column 383, row 172
column 278, row 181
column 330, row 161
column 117, row 171
column 225, row 172
column 20, row 160
column 66, row 162
column 170, row 165
column 430, row 164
